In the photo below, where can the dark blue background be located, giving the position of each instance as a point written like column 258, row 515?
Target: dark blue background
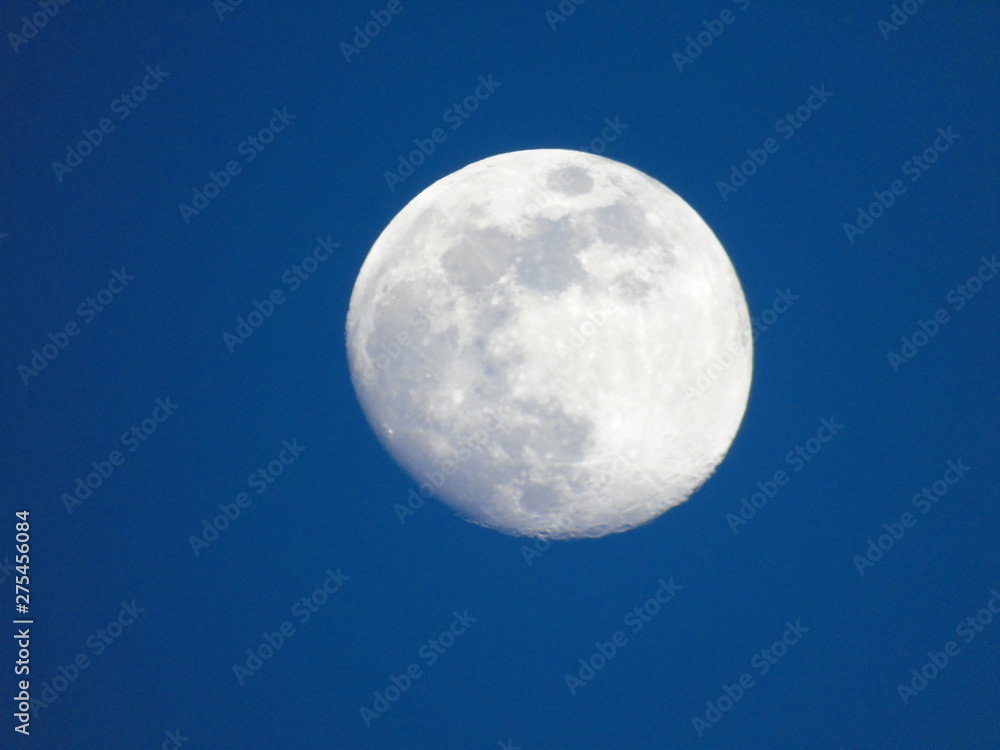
column 333, row 508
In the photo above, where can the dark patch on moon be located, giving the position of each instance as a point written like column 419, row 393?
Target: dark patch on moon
column 479, row 258
column 570, row 181
column 629, row 286
column 622, row 224
column 548, row 258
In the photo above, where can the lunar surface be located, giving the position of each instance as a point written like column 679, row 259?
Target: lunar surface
column 552, row 343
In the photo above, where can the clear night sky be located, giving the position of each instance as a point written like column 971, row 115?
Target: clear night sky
column 874, row 390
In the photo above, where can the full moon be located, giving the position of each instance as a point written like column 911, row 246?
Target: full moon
column 552, row 343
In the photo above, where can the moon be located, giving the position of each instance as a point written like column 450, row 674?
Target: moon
column 552, row 343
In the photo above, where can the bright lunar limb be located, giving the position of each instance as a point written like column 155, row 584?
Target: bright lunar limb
column 552, row 343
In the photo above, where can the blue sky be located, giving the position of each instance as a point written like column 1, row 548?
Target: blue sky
column 847, row 161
